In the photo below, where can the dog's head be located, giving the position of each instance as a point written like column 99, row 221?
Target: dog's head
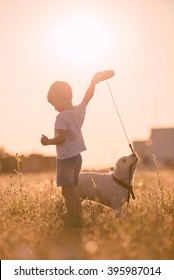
column 125, row 168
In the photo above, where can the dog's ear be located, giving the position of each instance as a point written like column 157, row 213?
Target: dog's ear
column 111, row 169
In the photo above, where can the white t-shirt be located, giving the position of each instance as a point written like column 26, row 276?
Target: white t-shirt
column 71, row 121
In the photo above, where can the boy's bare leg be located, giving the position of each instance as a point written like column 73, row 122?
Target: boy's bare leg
column 73, row 204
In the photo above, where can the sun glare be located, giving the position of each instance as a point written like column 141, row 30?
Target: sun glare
column 81, row 40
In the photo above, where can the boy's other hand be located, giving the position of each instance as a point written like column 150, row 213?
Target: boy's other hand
column 44, row 140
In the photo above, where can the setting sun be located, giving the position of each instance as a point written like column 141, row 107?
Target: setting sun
column 81, row 40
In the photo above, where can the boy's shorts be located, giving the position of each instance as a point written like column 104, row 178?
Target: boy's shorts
column 68, row 171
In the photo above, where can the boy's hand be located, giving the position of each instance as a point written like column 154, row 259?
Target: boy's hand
column 102, row 76
column 96, row 79
column 44, row 140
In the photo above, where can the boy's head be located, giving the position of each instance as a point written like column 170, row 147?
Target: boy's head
column 60, row 94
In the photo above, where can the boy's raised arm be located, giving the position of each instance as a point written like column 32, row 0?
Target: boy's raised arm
column 90, row 91
column 98, row 77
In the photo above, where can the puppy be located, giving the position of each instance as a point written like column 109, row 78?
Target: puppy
column 111, row 189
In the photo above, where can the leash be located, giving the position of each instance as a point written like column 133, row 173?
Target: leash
column 128, row 187
column 130, row 146
column 104, row 76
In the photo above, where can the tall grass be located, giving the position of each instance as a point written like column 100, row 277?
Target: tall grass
column 32, row 225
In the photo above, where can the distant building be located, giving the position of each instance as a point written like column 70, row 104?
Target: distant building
column 160, row 144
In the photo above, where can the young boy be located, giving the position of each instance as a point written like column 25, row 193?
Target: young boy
column 69, row 140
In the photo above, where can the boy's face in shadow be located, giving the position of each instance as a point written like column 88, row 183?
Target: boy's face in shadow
column 62, row 103
column 58, row 105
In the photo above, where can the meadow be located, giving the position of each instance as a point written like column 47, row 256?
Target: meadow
column 32, row 224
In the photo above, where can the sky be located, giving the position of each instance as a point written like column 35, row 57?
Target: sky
column 42, row 41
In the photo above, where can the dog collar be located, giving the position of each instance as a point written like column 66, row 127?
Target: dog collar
column 124, row 185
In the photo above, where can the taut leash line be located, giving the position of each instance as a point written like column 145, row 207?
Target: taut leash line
column 119, row 117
